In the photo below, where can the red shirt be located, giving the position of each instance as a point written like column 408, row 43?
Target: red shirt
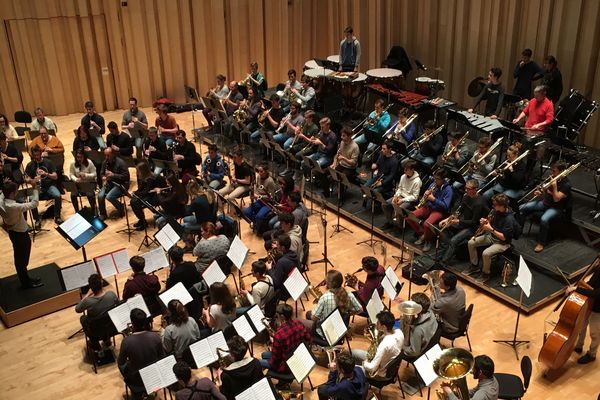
column 289, row 336
column 168, row 123
column 539, row 112
column 372, row 283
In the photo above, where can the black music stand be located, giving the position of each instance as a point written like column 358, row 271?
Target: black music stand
column 436, row 231
column 325, row 260
column 220, row 115
column 371, row 194
column 404, row 214
column 341, row 179
column 514, row 343
column 78, row 188
column 314, row 167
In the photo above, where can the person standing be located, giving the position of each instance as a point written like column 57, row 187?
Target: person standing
column 13, row 215
column 349, row 51
column 94, row 122
column 593, row 321
column 526, row 71
column 492, row 93
column 552, row 79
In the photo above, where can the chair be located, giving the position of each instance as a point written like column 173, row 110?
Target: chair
column 463, row 327
column 288, row 378
column 23, row 117
column 511, row 386
column 411, row 360
column 391, row 376
column 97, row 328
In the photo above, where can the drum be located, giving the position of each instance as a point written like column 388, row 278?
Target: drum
column 334, row 58
column 358, row 84
column 318, row 76
column 385, row 76
column 423, row 86
column 310, row 64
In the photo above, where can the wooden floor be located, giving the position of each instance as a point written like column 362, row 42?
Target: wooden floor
column 39, row 362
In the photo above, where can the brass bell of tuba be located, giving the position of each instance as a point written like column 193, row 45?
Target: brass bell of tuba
column 409, row 310
column 454, row 365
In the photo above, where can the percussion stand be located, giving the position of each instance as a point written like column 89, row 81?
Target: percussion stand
column 514, row 343
column 371, row 194
column 338, row 177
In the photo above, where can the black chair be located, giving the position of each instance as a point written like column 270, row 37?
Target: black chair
column 97, row 328
column 283, row 378
column 391, row 376
column 25, row 118
column 463, row 327
column 511, row 386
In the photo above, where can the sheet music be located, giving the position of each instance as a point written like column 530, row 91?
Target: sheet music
column 213, row 274
column 243, row 328
column 75, row 226
column 77, row 275
column 237, row 252
column 334, row 327
column 217, row 340
column 391, row 275
column 301, row 362
column 178, row 292
column 260, row 390
column 121, row 259
column 295, row 284
column 167, row 237
column 155, row 260
column 256, row 315
column 204, row 351
column 374, row 306
column 106, row 265
column 158, row 375
column 424, row 365
column 524, row 277
column 388, row 288
column 137, row 301
column 120, row 316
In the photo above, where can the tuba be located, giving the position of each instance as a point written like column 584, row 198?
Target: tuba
column 434, row 277
column 454, row 364
column 409, row 310
column 375, row 336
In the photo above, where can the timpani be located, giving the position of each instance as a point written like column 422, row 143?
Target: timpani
column 385, row 76
column 334, row 58
column 311, row 64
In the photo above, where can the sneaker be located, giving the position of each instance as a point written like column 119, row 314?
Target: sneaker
column 483, row 277
column 420, row 241
column 427, row 247
column 139, row 223
column 58, row 220
column 473, row 268
column 538, row 248
column 586, row 359
column 37, row 225
column 578, row 350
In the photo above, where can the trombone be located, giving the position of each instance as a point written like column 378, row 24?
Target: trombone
column 396, row 133
column 501, row 169
column 424, row 138
column 475, row 163
column 545, row 185
column 454, row 149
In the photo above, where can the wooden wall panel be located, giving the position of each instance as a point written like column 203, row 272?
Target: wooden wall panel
column 154, row 47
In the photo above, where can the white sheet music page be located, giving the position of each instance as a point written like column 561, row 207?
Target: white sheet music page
column 155, row 260
column 213, row 274
column 202, row 353
column 260, row 390
column 137, row 301
column 256, row 315
column 424, row 365
column 237, row 252
column 151, row 377
column 374, row 306
column 121, row 259
column 295, row 284
column 217, row 340
column 178, row 292
column 165, row 367
column 120, row 316
column 77, row 276
column 106, row 265
column 388, row 288
column 391, row 275
column 243, row 328
column 334, row 327
column 301, row 362
column 167, row 237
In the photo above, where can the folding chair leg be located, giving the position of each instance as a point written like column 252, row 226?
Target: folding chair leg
column 301, row 303
column 468, row 341
column 399, row 384
column 310, row 383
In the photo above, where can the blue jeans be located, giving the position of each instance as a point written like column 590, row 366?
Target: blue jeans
column 257, row 212
column 424, row 159
column 113, row 196
column 255, row 136
column 168, row 139
column 321, row 158
column 288, row 143
column 547, row 216
column 190, row 223
column 264, row 361
column 513, row 194
column 459, row 238
column 282, row 138
column 52, row 193
column 274, row 222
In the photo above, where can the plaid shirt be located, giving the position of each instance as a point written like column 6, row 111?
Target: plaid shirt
column 327, row 304
column 289, row 335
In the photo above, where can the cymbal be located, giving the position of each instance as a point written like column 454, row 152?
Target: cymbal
column 476, row 86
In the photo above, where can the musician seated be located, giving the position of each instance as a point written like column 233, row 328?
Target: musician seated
column 209, row 247
column 242, row 373
column 345, row 161
column 287, row 127
column 375, row 273
column 41, row 120
column 139, row 282
column 299, row 210
column 83, row 140
column 50, row 145
column 194, row 389
column 492, row 93
column 306, row 94
column 456, row 152
column 181, row 271
column 135, row 119
column 264, row 188
column 286, row 186
column 406, row 195
column 96, row 302
column 221, row 312
column 149, row 185
column 213, row 168
column 114, row 172
column 7, row 129
column 511, row 180
column 460, row 229
column 477, row 168
column 335, row 297
column 384, row 171
column 291, row 83
column 325, row 144
column 539, row 111
column 556, row 201
column 487, row 386
column 269, row 119
column 434, row 205
column 239, row 183
column 304, row 134
column 220, row 93
column 346, row 381
column 253, row 107
column 155, row 149
column 165, row 124
column 186, row 156
column 422, row 329
column 450, row 305
column 282, row 263
column 42, row 172
column 428, row 152
column 12, row 160
column 139, row 350
column 83, row 170
column 232, row 101
column 496, row 234
column 94, row 122
column 407, row 133
column 202, row 208
column 375, row 127
column 288, row 336
column 181, row 331
column 119, row 141
column 172, row 200
column 261, row 292
column 288, row 227
column 388, row 349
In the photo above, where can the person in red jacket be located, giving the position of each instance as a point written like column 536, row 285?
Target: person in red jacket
column 140, row 282
column 539, row 111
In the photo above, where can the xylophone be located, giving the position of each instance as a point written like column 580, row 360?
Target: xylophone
column 411, row 99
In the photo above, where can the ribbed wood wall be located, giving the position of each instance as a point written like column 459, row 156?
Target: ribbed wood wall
column 59, row 53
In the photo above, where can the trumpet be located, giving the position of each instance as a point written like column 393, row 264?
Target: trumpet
column 453, row 149
column 425, row 196
column 297, row 133
column 247, row 81
column 506, row 271
column 545, row 185
column 479, row 230
column 352, row 279
column 424, row 138
column 262, row 120
column 454, row 216
column 474, row 164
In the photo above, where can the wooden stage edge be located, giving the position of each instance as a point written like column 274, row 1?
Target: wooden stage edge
column 39, row 309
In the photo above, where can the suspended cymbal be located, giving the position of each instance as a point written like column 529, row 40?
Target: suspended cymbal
column 476, row 86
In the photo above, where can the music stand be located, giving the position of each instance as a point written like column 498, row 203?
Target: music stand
column 404, row 214
column 314, row 166
column 78, row 188
column 166, row 164
column 340, row 179
column 436, row 231
column 373, row 195
column 22, row 194
column 325, row 260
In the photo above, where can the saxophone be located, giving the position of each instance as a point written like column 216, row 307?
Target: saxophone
column 315, row 291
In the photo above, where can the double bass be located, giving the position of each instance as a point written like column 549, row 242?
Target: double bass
column 560, row 343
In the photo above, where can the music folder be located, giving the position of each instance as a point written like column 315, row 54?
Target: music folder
column 76, row 276
column 158, row 375
column 177, row 292
column 167, row 237
column 112, row 263
column 155, row 259
column 301, row 362
column 334, row 327
column 204, row 351
column 262, row 389
column 82, row 227
column 295, row 284
column 249, row 324
column 121, row 314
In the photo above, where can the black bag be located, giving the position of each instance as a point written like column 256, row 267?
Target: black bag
column 420, row 265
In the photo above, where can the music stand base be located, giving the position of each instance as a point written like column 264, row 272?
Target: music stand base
column 337, row 228
column 514, row 344
column 370, row 242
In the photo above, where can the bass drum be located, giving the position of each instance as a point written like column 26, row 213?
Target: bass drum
column 423, row 85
